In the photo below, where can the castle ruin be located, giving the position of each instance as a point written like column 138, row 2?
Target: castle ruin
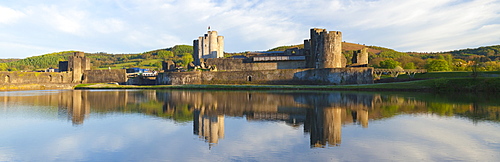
column 360, row 58
column 210, row 45
column 320, row 62
column 78, row 63
column 80, row 69
column 72, row 72
column 324, row 49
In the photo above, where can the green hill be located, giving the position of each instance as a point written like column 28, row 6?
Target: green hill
column 459, row 60
column 8, row 60
column 151, row 59
column 491, row 52
column 36, row 62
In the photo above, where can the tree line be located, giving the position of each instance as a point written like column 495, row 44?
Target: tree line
column 180, row 54
column 482, row 59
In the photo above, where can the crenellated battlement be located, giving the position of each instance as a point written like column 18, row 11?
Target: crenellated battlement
column 324, row 49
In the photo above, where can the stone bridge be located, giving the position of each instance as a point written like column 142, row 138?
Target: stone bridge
column 395, row 72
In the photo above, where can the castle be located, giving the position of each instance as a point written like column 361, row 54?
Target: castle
column 72, row 72
column 209, row 46
column 320, row 62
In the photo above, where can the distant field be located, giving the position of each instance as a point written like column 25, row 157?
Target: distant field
column 147, row 62
column 133, row 63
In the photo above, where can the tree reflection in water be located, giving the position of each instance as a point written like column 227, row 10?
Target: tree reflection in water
column 322, row 114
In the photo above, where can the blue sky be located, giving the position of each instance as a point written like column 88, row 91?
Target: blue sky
column 30, row 28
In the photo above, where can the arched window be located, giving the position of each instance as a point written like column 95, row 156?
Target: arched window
column 7, row 79
column 249, row 78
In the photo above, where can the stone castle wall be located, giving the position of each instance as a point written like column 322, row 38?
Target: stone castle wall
column 324, row 64
column 230, row 64
column 79, row 67
column 76, row 71
column 105, row 76
column 35, row 80
column 338, row 76
column 29, row 80
column 34, row 77
column 179, row 78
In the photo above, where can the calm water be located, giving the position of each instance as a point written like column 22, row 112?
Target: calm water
column 149, row 125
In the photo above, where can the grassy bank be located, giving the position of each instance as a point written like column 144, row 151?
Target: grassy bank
column 490, row 84
column 33, row 86
column 452, row 74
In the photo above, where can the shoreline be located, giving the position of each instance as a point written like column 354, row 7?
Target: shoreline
column 249, row 87
column 35, row 86
column 488, row 84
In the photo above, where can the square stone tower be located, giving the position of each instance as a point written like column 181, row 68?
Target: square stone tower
column 77, row 64
column 211, row 45
column 360, row 57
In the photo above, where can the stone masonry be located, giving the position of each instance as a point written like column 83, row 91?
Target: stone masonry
column 78, row 63
column 324, row 49
column 360, row 57
column 322, row 63
column 209, row 46
column 78, row 66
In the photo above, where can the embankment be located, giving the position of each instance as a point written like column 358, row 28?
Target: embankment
column 431, row 85
column 33, row 86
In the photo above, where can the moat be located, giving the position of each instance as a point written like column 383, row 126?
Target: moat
column 175, row 125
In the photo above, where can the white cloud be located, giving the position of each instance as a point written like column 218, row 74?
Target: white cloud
column 137, row 26
column 9, row 15
column 425, row 25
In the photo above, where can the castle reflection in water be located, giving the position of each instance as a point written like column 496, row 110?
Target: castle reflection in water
column 321, row 114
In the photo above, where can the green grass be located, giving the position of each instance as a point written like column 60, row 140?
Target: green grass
column 147, row 62
column 452, row 74
column 85, row 85
column 125, row 64
column 438, row 75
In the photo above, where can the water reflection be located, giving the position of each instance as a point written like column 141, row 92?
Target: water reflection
column 208, row 127
column 75, row 105
column 322, row 115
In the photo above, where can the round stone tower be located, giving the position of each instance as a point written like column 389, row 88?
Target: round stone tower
column 331, row 54
column 213, row 46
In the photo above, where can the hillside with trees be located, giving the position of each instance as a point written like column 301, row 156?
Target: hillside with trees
column 180, row 54
column 482, row 58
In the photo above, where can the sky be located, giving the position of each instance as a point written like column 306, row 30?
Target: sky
column 32, row 28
